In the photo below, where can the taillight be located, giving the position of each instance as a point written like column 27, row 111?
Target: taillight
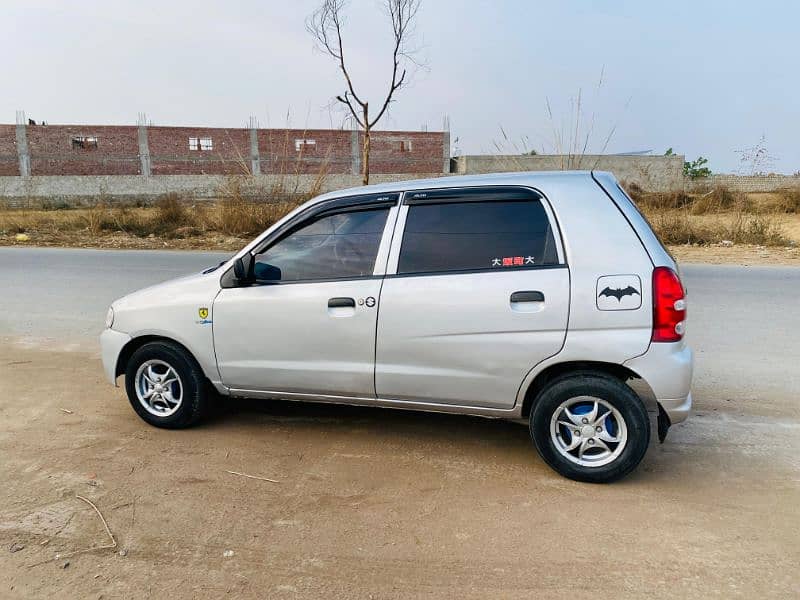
column 669, row 306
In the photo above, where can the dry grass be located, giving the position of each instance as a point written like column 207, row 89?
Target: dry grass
column 789, row 201
column 230, row 216
column 717, row 215
column 676, row 227
column 240, row 212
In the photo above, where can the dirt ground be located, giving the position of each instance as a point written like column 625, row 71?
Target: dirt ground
column 373, row 503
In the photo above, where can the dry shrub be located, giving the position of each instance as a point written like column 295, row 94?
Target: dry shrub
column 657, row 200
column 678, row 227
column 131, row 220
column 715, row 200
column 718, row 199
column 171, row 212
column 760, row 230
column 789, row 201
column 97, row 217
column 237, row 214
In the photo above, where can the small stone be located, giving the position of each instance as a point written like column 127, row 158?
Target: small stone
column 726, row 243
column 227, row 553
column 151, row 236
column 123, row 552
column 65, row 565
column 16, row 547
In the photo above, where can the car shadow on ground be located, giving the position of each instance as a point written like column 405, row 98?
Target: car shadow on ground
column 493, row 440
column 414, row 426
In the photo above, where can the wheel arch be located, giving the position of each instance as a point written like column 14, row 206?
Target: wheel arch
column 551, row 372
column 137, row 342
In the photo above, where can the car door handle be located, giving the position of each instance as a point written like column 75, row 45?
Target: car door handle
column 527, row 296
column 341, row 303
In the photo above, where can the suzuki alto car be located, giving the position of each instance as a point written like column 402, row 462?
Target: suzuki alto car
column 538, row 296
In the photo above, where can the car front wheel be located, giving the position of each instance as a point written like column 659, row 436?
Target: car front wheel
column 590, row 427
column 165, row 386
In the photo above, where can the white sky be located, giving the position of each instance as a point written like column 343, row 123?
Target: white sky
column 704, row 78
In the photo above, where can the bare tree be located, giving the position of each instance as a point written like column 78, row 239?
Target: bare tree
column 325, row 25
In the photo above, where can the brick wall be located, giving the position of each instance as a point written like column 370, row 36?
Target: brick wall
column 64, row 150
column 9, row 162
column 170, row 153
column 281, row 153
column 405, row 152
column 54, row 151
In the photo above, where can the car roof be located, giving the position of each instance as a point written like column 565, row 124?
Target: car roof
column 547, row 179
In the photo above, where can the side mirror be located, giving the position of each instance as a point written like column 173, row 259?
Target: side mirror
column 243, row 269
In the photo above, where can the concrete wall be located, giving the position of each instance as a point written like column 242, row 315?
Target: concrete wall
column 650, row 172
column 76, row 190
column 745, row 183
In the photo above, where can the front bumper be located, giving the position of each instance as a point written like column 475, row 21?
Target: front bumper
column 111, row 344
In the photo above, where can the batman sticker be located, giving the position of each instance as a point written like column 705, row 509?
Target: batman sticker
column 619, row 292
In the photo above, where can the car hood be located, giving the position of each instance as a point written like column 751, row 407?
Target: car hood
column 197, row 287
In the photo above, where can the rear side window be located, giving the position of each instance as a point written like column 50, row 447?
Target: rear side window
column 485, row 235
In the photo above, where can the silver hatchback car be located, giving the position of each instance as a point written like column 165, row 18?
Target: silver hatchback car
column 543, row 297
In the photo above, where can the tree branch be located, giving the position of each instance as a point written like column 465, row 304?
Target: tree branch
column 346, row 101
column 325, row 26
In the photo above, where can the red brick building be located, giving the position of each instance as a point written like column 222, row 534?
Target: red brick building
column 152, row 150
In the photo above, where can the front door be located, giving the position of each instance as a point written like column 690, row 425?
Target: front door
column 476, row 294
column 308, row 325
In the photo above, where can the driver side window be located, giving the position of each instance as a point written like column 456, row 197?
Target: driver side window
column 335, row 246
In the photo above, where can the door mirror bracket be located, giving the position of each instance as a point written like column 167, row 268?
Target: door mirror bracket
column 243, row 269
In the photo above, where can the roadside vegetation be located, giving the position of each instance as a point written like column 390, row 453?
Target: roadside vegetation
column 717, row 216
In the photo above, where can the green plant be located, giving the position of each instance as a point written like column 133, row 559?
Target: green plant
column 694, row 169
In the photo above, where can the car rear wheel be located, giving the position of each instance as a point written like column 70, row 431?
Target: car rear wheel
column 590, row 427
column 165, row 386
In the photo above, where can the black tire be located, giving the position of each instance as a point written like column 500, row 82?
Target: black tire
column 196, row 395
column 613, row 391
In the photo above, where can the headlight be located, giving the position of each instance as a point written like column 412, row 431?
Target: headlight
column 109, row 317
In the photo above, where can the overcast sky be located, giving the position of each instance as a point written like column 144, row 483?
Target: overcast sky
column 704, row 77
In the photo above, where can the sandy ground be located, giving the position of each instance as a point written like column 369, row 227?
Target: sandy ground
column 374, row 503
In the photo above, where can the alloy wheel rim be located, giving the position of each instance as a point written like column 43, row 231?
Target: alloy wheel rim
column 159, row 388
column 588, row 431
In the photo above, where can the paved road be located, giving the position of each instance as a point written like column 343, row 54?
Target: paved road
column 64, row 293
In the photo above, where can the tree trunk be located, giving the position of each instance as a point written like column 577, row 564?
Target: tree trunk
column 367, row 128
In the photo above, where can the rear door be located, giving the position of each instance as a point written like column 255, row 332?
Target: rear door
column 476, row 294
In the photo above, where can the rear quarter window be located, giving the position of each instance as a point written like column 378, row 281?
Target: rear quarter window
column 468, row 236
